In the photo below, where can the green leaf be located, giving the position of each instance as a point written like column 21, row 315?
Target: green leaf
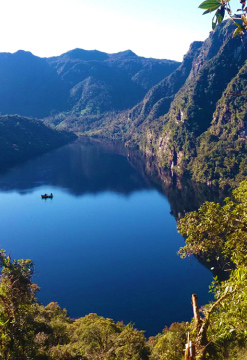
column 210, row 10
column 214, row 25
column 210, row 4
column 220, row 15
column 238, row 30
column 207, row 12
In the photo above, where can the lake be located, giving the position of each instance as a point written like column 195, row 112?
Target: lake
column 106, row 243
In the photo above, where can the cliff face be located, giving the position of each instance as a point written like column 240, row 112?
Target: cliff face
column 204, row 131
column 158, row 99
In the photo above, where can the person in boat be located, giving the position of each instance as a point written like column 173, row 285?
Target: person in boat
column 51, row 195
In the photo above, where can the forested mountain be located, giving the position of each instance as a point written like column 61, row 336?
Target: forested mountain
column 101, row 82
column 193, row 121
column 22, row 138
column 78, row 82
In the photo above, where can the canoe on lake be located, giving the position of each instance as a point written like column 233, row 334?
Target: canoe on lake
column 45, row 196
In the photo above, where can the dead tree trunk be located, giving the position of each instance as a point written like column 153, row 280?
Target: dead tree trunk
column 196, row 313
column 202, row 325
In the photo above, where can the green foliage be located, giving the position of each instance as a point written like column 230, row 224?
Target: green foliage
column 226, row 331
column 169, row 344
column 220, row 232
column 212, row 5
column 17, row 294
column 31, row 331
column 216, row 229
column 222, row 7
column 94, row 337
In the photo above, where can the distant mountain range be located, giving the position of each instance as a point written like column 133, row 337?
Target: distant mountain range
column 79, row 81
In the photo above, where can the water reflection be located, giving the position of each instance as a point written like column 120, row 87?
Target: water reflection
column 80, row 167
column 183, row 194
column 87, row 166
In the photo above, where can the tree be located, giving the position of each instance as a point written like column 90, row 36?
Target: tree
column 221, row 8
column 96, row 338
column 17, row 294
column 169, row 344
column 220, row 232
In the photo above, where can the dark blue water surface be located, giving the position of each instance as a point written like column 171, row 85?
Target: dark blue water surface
column 106, row 243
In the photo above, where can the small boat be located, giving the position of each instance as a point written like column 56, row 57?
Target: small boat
column 47, row 196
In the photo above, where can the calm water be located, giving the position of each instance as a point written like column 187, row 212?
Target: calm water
column 106, row 243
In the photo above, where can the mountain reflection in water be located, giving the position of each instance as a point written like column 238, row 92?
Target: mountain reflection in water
column 80, row 167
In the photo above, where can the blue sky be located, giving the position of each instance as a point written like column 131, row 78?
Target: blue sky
column 151, row 28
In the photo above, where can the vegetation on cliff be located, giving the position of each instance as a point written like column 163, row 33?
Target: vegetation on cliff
column 204, row 131
column 220, row 232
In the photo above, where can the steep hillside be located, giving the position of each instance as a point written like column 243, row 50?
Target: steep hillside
column 129, row 125
column 22, row 138
column 221, row 151
column 158, row 99
column 204, row 129
column 103, row 85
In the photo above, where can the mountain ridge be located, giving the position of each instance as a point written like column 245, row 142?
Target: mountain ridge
column 85, row 82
